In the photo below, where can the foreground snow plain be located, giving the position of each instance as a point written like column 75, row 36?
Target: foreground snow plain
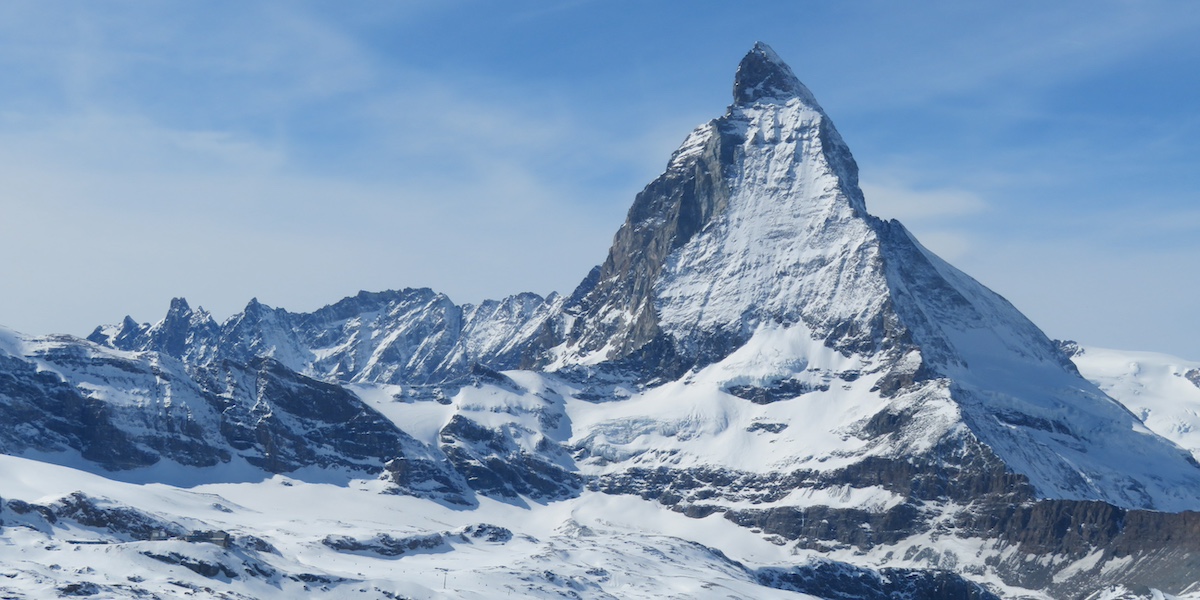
column 594, row 546
column 330, row 533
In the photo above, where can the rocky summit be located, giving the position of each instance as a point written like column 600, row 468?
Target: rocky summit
column 762, row 392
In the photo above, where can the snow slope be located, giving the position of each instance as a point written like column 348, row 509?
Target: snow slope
column 595, row 546
column 1163, row 391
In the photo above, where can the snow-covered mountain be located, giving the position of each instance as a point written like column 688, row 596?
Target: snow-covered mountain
column 758, row 359
column 407, row 336
column 1163, row 391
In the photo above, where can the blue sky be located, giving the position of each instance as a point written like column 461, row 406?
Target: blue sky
column 301, row 151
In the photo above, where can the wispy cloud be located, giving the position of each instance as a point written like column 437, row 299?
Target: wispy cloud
column 893, row 200
column 939, row 217
column 951, row 50
column 417, row 181
column 1080, row 288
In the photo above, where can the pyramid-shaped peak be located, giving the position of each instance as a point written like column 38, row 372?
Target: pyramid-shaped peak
column 763, row 77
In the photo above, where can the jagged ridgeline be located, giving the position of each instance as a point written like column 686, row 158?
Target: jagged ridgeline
column 756, row 348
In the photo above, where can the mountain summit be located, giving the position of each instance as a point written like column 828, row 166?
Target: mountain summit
column 758, row 229
column 745, row 227
column 755, row 345
column 763, row 77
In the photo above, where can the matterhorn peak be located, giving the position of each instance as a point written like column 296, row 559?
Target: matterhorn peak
column 763, row 77
column 728, row 238
column 758, row 233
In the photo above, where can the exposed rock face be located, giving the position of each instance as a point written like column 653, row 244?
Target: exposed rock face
column 202, row 567
column 763, row 77
column 494, row 463
column 617, row 313
column 389, row 545
column 282, row 421
column 183, row 333
column 124, row 412
column 834, row 580
column 1108, row 545
column 97, row 513
column 1193, row 376
column 1070, row 348
column 51, row 413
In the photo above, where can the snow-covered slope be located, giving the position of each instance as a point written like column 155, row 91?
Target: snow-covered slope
column 291, row 539
column 1024, row 400
column 1161, row 390
column 333, row 533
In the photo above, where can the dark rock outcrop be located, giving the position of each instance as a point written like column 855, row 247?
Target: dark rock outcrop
column 280, row 420
column 391, row 546
column 1148, row 548
column 839, row 581
column 54, row 416
column 98, row 513
column 199, row 566
column 784, row 389
column 388, row 545
column 1193, row 376
column 618, row 311
column 493, row 463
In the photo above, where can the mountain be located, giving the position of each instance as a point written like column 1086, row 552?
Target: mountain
column 1163, row 391
column 408, row 336
column 763, row 391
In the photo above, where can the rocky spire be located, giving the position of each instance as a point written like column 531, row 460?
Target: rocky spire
column 763, row 76
column 687, row 281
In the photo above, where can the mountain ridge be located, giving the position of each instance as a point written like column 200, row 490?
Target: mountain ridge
column 757, row 222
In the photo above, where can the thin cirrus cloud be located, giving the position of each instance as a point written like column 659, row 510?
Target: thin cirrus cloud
column 935, row 215
column 220, row 221
column 989, row 52
column 894, row 200
column 121, row 198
